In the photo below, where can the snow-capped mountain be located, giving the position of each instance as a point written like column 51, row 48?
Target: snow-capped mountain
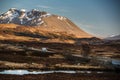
column 113, row 37
column 23, row 17
column 38, row 24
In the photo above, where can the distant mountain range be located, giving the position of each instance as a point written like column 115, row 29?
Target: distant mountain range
column 113, row 37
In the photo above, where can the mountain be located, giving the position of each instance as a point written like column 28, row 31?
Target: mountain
column 38, row 25
column 113, row 37
column 22, row 17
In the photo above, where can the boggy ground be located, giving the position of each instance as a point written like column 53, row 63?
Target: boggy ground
column 62, row 76
column 27, row 55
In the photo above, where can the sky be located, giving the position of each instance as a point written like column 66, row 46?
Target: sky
column 100, row 18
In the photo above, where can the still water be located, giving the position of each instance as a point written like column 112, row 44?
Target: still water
column 23, row 72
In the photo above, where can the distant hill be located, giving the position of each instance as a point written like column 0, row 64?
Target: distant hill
column 115, row 37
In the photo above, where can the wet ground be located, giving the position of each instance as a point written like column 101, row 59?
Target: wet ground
column 23, row 57
column 62, row 76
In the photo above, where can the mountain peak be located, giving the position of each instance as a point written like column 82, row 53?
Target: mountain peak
column 23, row 17
column 23, row 10
column 12, row 9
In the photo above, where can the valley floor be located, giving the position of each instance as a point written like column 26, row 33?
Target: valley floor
column 29, row 55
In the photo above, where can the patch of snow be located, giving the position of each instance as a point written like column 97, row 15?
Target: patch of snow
column 29, row 18
column 39, row 19
column 88, row 72
column 21, row 21
column 61, row 18
column 8, row 13
column 40, row 23
column 114, row 35
column 12, row 9
column 23, row 15
column 46, row 15
column 58, row 17
column 35, row 10
column 23, row 10
column 44, row 49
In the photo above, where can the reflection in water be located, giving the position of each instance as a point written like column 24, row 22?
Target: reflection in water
column 16, row 72
column 23, row 72
column 115, row 62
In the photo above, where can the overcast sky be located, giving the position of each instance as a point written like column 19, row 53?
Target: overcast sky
column 97, row 17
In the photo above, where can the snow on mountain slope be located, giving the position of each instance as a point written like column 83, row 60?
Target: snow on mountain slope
column 31, row 18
